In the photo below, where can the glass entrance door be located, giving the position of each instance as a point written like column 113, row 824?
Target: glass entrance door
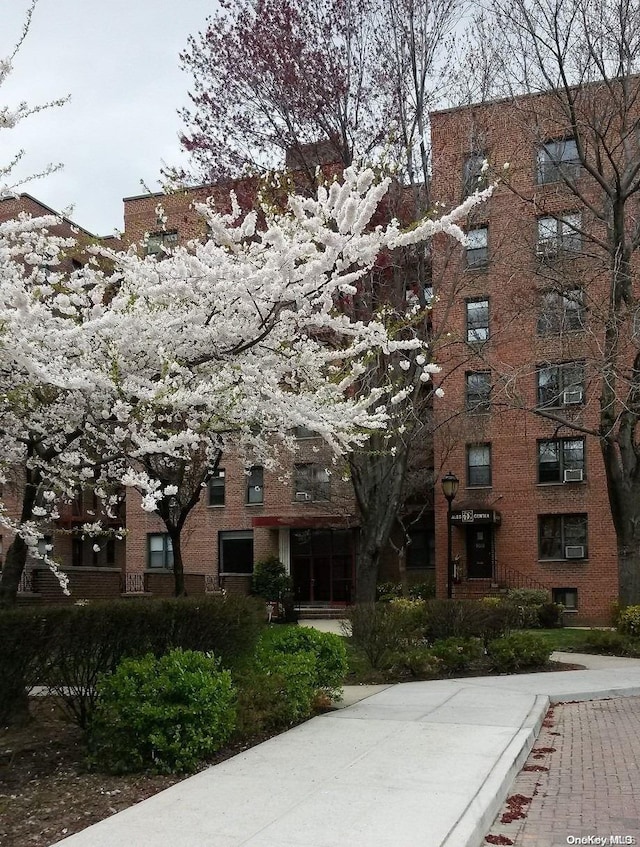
column 480, row 552
column 322, row 565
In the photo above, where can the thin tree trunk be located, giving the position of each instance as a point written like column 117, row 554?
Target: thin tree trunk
column 178, row 567
column 16, row 558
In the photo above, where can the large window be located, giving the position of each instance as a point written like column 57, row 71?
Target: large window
column 478, row 465
column 559, row 234
column 255, row 485
column 478, row 247
column 474, row 175
column 557, row 159
column 561, row 311
column 560, row 385
column 561, row 460
column 562, row 537
column 217, row 487
column 160, row 550
column 236, row 552
column 477, row 320
column 158, row 243
column 311, row 482
column 478, row 391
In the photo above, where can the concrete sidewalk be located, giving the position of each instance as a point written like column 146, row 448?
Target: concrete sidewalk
column 423, row 763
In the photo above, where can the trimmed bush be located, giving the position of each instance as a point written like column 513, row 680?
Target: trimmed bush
column 517, row 651
column 550, row 615
column 419, row 661
column 291, row 681
column 271, row 580
column 457, row 655
column 609, row 643
column 528, row 596
column 165, row 715
column 328, row 650
column 466, row 619
column 629, row 621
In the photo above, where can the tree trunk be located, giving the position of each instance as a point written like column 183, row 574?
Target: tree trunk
column 179, row 589
column 629, row 574
column 12, row 571
column 367, row 564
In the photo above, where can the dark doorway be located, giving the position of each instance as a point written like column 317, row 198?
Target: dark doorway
column 322, row 565
column 480, row 552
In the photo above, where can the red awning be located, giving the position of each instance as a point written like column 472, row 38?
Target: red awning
column 305, row 521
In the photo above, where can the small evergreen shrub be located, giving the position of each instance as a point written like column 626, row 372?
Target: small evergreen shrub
column 165, row 715
column 292, row 683
column 271, row 580
column 629, row 621
column 528, row 596
column 329, row 652
column 516, row 651
column 419, row 661
column 457, row 655
column 550, row 615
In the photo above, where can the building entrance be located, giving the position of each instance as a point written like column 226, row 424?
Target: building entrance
column 322, row 565
column 479, row 551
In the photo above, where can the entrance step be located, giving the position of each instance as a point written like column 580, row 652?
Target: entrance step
column 319, row 613
column 474, row 589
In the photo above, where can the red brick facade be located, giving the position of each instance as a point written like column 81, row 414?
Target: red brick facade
column 534, row 523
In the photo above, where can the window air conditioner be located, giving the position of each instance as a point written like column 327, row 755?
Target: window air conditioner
column 572, row 396
column 575, row 552
column 303, row 496
column 574, row 475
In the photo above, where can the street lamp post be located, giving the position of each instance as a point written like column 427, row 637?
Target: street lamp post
column 450, row 483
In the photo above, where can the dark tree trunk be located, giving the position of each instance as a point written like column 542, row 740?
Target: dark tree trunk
column 16, row 558
column 179, row 589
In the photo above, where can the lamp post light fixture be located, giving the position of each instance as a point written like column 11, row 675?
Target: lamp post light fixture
column 450, row 483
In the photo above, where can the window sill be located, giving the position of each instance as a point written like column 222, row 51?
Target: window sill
column 560, row 483
column 563, row 561
column 225, row 573
column 216, row 505
column 479, row 487
column 477, row 268
column 253, row 505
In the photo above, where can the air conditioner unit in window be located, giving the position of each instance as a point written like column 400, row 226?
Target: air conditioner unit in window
column 575, row 552
column 303, row 496
column 574, row 475
column 572, row 396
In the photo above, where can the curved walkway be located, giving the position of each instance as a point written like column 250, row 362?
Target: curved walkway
column 423, row 764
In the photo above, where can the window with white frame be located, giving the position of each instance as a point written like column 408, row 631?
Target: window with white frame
column 562, row 537
column 556, row 160
column 159, row 243
column 478, row 465
column 560, row 385
column 561, row 460
column 477, row 313
column 311, row 482
column 236, row 552
column 478, row 391
column 217, row 487
column 559, row 235
column 561, row 311
column 160, row 550
column 478, row 247
column 255, row 485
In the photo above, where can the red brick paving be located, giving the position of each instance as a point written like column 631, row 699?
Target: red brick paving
column 592, row 785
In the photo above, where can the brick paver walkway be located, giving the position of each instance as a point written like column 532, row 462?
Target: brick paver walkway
column 581, row 779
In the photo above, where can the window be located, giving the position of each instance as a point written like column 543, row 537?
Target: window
column 420, row 550
column 557, row 159
column 160, row 550
column 478, row 247
column 478, row 391
column 255, row 485
column 567, row 597
column 77, row 552
column 158, row 243
column 562, row 536
column 110, row 553
column 216, row 488
column 478, row 465
column 43, row 543
column 558, row 235
column 477, row 320
column 560, row 385
column 236, row 552
column 561, row 460
column 561, row 311
column 311, row 482
column 304, row 432
column 474, row 174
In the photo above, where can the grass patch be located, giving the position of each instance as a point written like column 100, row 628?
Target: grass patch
column 563, row 638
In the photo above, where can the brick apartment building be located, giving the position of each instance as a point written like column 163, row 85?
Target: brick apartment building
column 521, row 305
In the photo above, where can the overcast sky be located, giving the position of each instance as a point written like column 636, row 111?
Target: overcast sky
column 118, row 59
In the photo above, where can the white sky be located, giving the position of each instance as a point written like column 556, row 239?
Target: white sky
column 118, row 59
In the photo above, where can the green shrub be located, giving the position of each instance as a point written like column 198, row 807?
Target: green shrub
column 292, row 683
column 386, row 591
column 466, row 619
column 609, row 643
column 550, row 615
column 457, row 655
column 329, row 652
column 383, row 629
column 525, row 617
column 419, row 661
column 629, row 621
column 164, row 715
column 528, row 596
column 423, row 590
column 517, row 651
column 271, row 580
column 23, row 649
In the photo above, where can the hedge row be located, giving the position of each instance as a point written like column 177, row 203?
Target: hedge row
column 67, row 648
